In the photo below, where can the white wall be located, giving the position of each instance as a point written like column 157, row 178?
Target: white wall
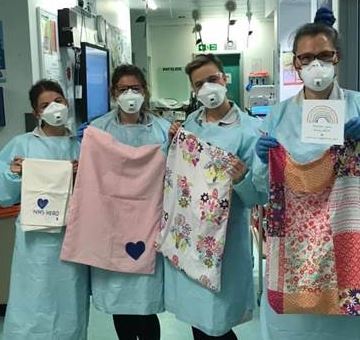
column 290, row 17
column 14, row 15
column 139, row 41
column 22, row 51
column 170, row 46
column 270, row 7
column 174, row 45
column 49, row 6
column 117, row 13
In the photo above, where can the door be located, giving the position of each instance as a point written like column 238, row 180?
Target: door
column 231, row 64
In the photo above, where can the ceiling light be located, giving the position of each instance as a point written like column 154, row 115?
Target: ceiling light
column 152, row 5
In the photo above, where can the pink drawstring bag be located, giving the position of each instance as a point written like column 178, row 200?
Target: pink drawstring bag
column 115, row 210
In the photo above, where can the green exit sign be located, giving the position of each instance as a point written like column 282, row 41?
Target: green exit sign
column 207, row 47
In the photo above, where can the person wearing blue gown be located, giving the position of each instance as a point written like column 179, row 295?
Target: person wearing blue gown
column 133, row 299
column 316, row 52
column 48, row 299
column 221, row 123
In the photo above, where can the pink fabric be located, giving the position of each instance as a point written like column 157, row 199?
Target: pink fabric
column 115, row 211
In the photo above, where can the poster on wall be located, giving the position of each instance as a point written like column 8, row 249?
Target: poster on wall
column 49, row 51
column 2, row 55
column 324, row 3
column 290, row 76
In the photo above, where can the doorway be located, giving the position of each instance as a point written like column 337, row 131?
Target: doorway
column 231, row 64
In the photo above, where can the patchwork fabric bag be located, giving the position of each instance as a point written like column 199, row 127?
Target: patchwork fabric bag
column 197, row 195
column 46, row 187
column 314, row 233
column 115, row 211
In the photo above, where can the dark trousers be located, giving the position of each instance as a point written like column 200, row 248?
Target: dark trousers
column 137, row 327
column 199, row 335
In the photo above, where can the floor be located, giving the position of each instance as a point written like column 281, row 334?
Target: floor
column 101, row 327
column 171, row 329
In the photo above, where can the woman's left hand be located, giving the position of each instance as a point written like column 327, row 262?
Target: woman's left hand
column 352, row 129
column 237, row 170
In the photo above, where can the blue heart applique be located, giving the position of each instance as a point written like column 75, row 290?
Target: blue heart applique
column 135, row 250
column 42, row 203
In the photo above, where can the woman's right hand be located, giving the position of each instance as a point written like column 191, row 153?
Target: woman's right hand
column 16, row 165
column 173, row 130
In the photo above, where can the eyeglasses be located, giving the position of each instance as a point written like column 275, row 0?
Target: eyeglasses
column 134, row 88
column 325, row 56
column 214, row 78
column 43, row 105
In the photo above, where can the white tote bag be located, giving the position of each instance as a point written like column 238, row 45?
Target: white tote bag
column 45, row 192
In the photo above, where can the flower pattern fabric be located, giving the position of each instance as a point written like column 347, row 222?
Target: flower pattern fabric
column 196, row 208
column 314, row 235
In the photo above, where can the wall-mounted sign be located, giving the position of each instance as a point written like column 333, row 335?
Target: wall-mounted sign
column 172, row 69
column 207, row 47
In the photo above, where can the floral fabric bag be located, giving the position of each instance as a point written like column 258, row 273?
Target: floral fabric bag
column 197, row 194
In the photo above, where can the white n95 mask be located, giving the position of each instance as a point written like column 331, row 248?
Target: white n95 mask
column 318, row 75
column 130, row 101
column 212, row 95
column 55, row 114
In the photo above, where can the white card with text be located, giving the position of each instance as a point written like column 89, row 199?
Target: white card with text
column 323, row 122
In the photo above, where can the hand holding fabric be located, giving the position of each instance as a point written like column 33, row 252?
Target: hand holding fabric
column 237, row 170
column 80, row 131
column 263, row 145
column 173, row 130
column 75, row 165
column 352, row 129
column 16, row 165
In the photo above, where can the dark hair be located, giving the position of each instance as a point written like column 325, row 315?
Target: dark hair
column 130, row 70
column 313, row 29
column 201, row 60
column 41, row 86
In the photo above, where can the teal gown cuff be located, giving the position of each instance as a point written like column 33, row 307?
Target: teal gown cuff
column 10, row 184
column 247, row 192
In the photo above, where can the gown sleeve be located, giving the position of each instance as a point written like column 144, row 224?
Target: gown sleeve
column 246, row 189
column 10, row 183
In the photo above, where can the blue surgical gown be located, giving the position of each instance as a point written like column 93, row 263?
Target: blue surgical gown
column 123, row 293
column 216, row 313
column 284, row 123
column 49, row 299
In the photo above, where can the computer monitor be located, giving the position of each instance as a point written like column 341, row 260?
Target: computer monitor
column 94, row 78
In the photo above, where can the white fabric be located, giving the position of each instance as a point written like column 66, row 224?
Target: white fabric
column 196, row 208
column 45, row 191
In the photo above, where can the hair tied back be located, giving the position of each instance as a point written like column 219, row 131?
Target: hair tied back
column 324, row 16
